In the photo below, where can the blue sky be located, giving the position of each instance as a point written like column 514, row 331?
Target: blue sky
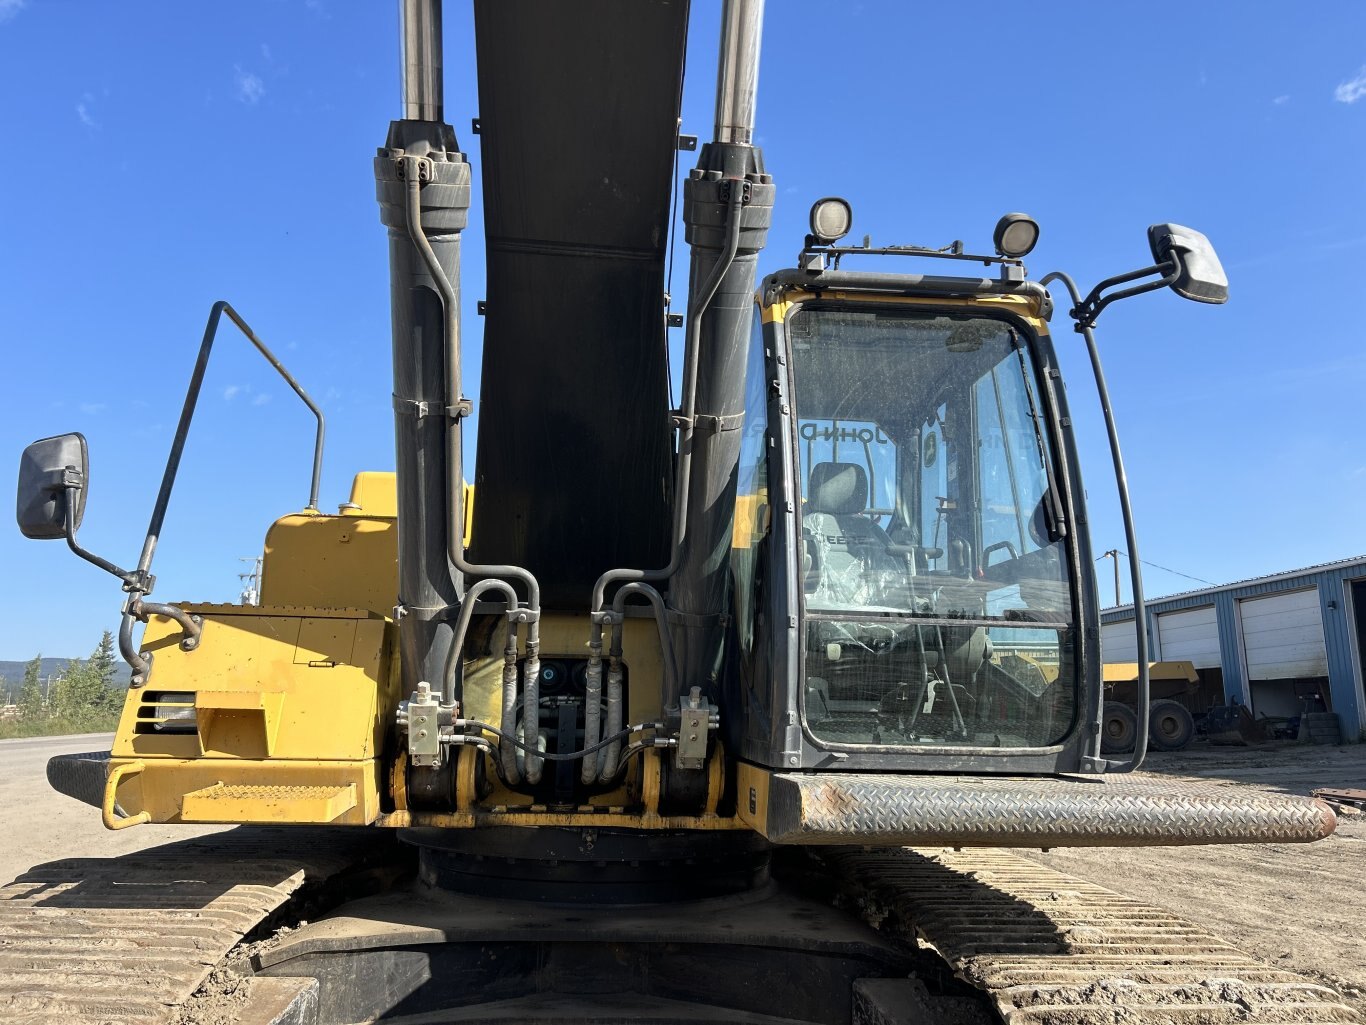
column 161, row 156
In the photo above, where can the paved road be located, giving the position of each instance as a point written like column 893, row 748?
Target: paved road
column 38, row 824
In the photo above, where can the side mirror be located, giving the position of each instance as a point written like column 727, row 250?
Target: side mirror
column 1201, row 277
column 51, row 473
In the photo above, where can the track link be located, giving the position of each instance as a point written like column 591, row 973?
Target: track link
column 125, row 940
column 1051, row 949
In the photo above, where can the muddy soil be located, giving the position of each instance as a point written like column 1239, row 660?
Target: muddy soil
column 1298, row 906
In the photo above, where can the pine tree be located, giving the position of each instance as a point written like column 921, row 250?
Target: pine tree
column 104, row 667
column 103, row 661
column 31, row 693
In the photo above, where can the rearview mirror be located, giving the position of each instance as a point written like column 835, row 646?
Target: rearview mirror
column 1201, row 275
column 51, row 473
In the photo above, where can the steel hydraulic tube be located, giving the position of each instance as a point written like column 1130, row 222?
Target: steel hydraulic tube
column 698, row 594
column 732, row 199
column 427, row 587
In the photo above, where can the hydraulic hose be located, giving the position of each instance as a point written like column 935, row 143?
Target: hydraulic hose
column 462, row 625
column 507, row 754
column 455, row 497
column 615, row 698
column 687, row 412
column 592, row 701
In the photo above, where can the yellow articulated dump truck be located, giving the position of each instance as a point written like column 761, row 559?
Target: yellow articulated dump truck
column 716, row 712
column 1171, row 725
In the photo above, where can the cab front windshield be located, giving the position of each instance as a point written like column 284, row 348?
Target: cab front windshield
column 937, row 604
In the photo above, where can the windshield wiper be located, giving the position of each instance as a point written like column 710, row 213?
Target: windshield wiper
column 1057, row 527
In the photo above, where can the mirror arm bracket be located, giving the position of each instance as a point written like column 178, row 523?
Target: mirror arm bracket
column 137, row 583
column 72, row 481
column 1088, row 310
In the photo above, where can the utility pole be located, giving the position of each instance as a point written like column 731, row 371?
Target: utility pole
column 1113, row 553
column 251, row 580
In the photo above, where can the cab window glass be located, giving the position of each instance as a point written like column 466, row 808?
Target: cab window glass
column 936, row 600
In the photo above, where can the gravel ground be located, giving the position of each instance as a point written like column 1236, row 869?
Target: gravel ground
column 1298, row 906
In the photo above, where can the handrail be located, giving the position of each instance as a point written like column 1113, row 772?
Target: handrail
column 187, row 415
column 142, row 582
column 1084, row 313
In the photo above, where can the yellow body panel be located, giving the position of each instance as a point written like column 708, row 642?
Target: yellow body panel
column 1024, row 306
column 751, row 796
column 347, row 561
column 275, row 710
column 256, row 791
column 376, row 494
column 373, row 494
column 1127, row 672
column 257, row 692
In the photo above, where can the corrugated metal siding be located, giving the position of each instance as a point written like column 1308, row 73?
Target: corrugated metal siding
column 1118, row 643
column 1283, row 636
column 1338, row 631
column 1190, row 634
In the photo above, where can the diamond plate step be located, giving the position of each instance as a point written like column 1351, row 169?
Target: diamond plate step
column 227, row 802
column 883, row 810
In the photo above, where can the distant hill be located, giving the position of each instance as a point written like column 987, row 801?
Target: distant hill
column 12, row 674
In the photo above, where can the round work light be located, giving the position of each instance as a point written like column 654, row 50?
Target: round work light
column 831, row 219
column 1015, row 235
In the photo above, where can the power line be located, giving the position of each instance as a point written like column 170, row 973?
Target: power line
column 1164, row 569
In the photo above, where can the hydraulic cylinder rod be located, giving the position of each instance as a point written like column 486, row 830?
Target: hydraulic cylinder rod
column 737, row 74
column 422, row 75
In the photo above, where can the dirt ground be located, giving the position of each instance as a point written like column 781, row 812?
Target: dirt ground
column 1299, row 906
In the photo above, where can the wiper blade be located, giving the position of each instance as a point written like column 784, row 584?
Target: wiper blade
column 1057, row 527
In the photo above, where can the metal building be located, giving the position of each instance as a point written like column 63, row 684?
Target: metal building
column 1280, row 644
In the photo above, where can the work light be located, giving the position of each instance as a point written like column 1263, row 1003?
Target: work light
column 1015, row 235
column 831, row 219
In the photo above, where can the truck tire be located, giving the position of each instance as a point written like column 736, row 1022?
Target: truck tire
column 1118, row 728
column 1170, row 725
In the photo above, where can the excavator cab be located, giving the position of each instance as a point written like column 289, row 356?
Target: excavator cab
column 840, row 598
column 904, row 489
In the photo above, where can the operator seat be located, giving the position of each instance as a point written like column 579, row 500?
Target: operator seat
column 851, row 566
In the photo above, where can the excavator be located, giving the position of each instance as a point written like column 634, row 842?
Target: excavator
column 723, row 711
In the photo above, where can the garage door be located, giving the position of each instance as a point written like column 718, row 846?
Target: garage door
column 1283, row 636
column 1117, row 642
column 1192, row 635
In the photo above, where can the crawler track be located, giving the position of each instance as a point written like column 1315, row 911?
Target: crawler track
column 1050, row 949
column 123, row 941
column 128, row 940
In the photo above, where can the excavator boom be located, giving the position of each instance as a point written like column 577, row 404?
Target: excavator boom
column 644, row 718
